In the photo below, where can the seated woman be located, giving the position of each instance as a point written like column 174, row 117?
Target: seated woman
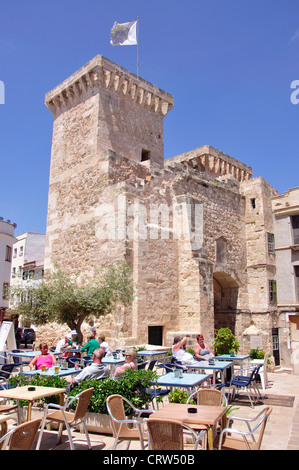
column 91, row 345
column 104, row 345
column 130, row 362
column 45, row 358
column 179, row 351
column 202, row 352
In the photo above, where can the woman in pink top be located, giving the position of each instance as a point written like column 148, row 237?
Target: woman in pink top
column 44, row 358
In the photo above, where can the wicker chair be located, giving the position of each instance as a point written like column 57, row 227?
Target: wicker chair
column 241, row 442
column 68, row 418
column 21, row 437
column 9, row 409
column 209, row 397
column 168, row 434
column 121, row 430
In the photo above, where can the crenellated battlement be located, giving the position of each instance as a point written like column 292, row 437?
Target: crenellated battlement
column 101, row 73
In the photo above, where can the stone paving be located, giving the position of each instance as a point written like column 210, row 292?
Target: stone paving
column 282, row 431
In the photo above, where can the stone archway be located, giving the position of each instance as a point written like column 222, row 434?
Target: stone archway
column 226, row 291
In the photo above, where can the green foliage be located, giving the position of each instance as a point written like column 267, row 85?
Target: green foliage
column 225, row 342
column 131, row 384
column 64, row 299
column 38, row 380
column 257, row 354
column 179, row 396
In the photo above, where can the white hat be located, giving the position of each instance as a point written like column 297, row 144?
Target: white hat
column 74, row 332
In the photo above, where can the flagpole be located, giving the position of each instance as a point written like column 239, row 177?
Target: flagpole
column 137, row 46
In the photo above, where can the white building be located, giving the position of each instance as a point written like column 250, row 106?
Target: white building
column 27, row 258
column 7, row 241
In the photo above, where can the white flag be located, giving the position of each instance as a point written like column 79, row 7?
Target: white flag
column 123, row 34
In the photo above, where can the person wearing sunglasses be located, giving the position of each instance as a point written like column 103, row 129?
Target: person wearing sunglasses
column 130, row 362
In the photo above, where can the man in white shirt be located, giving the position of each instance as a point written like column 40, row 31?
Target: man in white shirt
column 96, row 370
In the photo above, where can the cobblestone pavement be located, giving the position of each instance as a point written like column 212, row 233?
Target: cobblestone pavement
column 282, row 430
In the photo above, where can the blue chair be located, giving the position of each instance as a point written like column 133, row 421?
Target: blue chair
column 72, row 361
column 247, row 383
column 87, row 360
column 151, row 365
column 18, row 362
column 5, row 373
column 141, row 365
column 167, row 366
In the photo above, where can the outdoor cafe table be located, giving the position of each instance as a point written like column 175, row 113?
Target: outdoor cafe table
column 113, row 362
column 28, row 354
column 187, row 380
column 206, row 415
column 220, row 366
column 51, row 372
column 23, row 393
column 237, row 358
column 151, row 354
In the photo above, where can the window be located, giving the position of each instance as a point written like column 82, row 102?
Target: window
column 5, row 291
column 221, row 251
column 15, row 252
column 8, row 253
column 21, row 251
column 295, row 226
column 253, row 203
column 145, row 155
column 272, row 292
column 271, row 244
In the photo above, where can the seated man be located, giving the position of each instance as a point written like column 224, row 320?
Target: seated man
column 96, row 370
column 179, row 351
column 91, row 345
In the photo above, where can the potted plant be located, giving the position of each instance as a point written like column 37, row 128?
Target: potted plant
column 225, row 342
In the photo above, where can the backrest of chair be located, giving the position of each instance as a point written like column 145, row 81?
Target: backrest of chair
column 255, row 372
column 17, row 360
column 141, row 365
column 83, row 402
column 261, row 425
column 24, row 435
column 116, row 410
column 6, row 370
column 165, row 434
column 151, row 365
column 209, row 397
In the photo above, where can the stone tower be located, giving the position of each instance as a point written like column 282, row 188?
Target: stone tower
column 182, row 224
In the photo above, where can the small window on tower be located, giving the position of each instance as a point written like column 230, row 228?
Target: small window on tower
column 145, row 155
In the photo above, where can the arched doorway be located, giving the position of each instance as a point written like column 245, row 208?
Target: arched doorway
column 225, row 300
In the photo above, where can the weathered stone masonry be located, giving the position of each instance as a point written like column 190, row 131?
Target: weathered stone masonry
column 108, row 176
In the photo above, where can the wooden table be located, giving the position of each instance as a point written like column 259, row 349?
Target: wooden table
column 22, row 393
column 208, row 416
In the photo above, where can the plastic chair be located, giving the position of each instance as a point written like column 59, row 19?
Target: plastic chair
column 18, row 362
column 121, row 430
column 21, row 437
column 152, row 365
column 168, row 434
column 263, row 370
column 5, row 373
column 241, row 442
column 70, row 419
column 167, row 366
column 72, row 361
column 247, row 383
column 87, row 360
column 141, row 365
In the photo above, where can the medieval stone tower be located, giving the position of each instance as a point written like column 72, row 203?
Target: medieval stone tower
column 185, row 225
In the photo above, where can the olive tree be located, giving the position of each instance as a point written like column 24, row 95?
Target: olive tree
column 65, row 300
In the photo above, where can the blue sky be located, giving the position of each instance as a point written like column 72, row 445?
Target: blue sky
column 229, row 65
